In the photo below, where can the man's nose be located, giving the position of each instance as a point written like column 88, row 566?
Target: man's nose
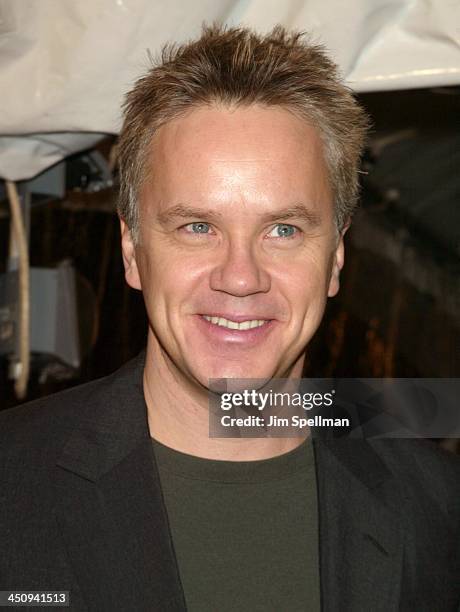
column 238, row 271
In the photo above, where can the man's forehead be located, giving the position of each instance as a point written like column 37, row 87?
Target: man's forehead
column 265, row 158
column 246, row 135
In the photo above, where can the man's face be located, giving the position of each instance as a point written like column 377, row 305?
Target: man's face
column 236, row 231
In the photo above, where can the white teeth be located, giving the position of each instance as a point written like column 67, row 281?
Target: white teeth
column 233, row 325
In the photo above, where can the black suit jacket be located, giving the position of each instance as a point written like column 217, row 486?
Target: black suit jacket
column 81, row 509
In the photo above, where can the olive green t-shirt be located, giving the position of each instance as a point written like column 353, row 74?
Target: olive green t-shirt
column 245, row 533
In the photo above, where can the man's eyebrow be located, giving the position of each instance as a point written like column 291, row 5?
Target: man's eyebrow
column 186, row 212
column 299, row 211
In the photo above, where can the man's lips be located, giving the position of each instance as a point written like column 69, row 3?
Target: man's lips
column 219, row 332
column 245, row 325
column 237, row 318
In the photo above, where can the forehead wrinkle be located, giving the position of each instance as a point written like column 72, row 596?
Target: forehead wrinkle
column 244, row 161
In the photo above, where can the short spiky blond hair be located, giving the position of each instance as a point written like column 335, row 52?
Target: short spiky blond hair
column 235, row 66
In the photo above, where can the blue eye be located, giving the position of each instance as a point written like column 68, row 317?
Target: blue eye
column 199, row 227
column 283, row 230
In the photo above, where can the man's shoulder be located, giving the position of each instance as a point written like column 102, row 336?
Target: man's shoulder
column 46, row 408
column 34, row 433
column 416, row 455
column 51, row 409
column 44, row 422
column 422, row 469
column 415, row 471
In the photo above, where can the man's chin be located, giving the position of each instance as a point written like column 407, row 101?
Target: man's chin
column 234, row 372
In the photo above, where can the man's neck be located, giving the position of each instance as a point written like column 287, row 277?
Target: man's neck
column 178, row 416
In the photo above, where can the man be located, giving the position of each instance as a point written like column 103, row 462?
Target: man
column 238, row 171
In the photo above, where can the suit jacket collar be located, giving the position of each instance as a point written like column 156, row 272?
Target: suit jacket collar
column 113, row 423
column 114, row 523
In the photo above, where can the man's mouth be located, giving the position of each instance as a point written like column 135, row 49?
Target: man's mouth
column 241, row 325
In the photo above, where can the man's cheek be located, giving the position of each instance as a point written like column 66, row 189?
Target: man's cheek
column 307, row 285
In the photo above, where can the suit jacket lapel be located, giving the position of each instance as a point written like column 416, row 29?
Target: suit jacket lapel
column 361, row 532
column 111, row 510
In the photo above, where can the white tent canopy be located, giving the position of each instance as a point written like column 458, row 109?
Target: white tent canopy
column 66, row 64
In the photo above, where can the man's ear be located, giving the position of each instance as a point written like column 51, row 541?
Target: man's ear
column 337, row 263
column 129, row 257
